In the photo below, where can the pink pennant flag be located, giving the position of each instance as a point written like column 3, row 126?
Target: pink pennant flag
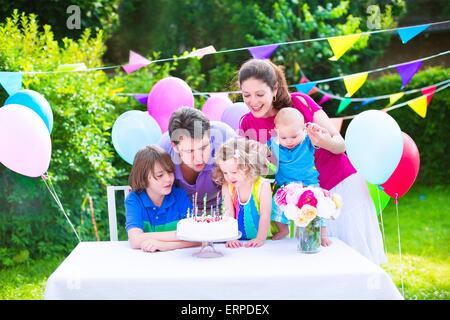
column 429, row 92
column 324, row 99
column 263, row 52
column 202, row 52
column 135, row 62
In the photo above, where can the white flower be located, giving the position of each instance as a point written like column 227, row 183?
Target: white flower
column 326, row 208
column 291, row 211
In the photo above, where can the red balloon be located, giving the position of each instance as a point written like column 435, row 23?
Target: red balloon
column 406, row 172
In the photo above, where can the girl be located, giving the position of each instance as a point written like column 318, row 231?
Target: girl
column 264, row 90
column 247, row 196
column 154, row 206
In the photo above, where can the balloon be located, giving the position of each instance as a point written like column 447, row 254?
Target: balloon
column 233, row 114
column 384, row 198
column 374, row 145
column 36, row 102
column 25, row 145
column 166, row 96
column 215, row 106
column 221, row 131
column 406, row 172
column 132, row 131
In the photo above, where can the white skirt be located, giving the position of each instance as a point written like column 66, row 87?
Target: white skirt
column 357, row 225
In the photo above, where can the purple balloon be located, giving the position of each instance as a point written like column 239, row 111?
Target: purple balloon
column 233, row 114
column 166, row 96
column 215, row 106
column 25, row 145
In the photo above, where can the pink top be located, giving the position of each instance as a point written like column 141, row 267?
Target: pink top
column 333, row 168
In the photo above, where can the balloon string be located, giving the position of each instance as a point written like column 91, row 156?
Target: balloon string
column 399, row 246
column 58, row 202
column 382, row 223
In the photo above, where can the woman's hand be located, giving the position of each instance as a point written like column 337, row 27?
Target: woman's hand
column 233, row 244
column 152, row 245
column 319, row 136
column 254, row 243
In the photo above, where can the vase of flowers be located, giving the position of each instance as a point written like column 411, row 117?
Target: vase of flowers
column 306, row 206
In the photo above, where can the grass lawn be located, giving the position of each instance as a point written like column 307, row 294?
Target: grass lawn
column 425, row 238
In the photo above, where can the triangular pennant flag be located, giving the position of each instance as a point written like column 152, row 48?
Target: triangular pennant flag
column 354, row 82
column 393, row 98
column 304, row 79
column 135, row 62
column 407, row 34
column 305, row 87
column 344, row 104
column 367, row 101
column 11, row 81
column 337, row 122
column 202, row 52
column 141, row 98
column 419, row 105
column 324, row 99
column 71, row 67
column 407, row 71
column 341, row 45
column 263, row 52
column 429, row 92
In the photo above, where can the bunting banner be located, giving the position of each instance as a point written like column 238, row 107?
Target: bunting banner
column 202, row 52
column 325, row 98
column 343, row 105
column 135, row 62
column 141, row 98
column 11, row 81
column 341, row 45
column 419, row 105
column 407, row 71
column 305, row 88
column 71, row 67
column 364, row 103
column 263, row 52
column 354, row 82
column 407, row 34
column 304, row 79
column 429, row 92
column 393, row 98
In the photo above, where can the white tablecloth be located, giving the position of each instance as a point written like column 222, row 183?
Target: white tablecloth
column 112, row 270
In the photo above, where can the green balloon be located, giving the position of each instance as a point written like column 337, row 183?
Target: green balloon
column 384, row 198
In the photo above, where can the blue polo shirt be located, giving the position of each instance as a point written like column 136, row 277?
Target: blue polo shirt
column 296, row 164
column 142, row 213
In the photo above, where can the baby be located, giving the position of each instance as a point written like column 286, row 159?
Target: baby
column 294, row 153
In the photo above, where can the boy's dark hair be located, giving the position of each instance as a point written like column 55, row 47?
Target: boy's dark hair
column 144, row 163
column 188, row 122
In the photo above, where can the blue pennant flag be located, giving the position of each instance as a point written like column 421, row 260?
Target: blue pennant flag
column 364, row 103
column 11, row 81
column 305, row 87
column 407, row 34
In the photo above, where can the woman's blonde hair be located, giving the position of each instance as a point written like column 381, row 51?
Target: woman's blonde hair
column 250, row 155
column 144, row 163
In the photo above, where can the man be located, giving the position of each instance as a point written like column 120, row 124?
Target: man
column 191, row 142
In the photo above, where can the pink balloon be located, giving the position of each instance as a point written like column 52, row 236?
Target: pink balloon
column 166, row 96
column 406, row 171
column 25, row 145
column 215, row 106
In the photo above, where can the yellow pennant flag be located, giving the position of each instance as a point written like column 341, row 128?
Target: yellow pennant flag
column 419, row 105
column 393, row 98
column 354, row 82
column 340, row 45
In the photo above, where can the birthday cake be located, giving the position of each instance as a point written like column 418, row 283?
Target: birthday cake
column 214, row 226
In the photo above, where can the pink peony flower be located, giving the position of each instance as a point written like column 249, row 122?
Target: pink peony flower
column 307, row 197
column 280, row 197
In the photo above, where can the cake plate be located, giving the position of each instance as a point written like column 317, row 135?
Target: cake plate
column 207, row 249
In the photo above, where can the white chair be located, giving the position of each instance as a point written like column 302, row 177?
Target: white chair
column 111, row 195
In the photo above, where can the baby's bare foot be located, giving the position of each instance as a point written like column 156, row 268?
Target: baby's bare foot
column 324, row 241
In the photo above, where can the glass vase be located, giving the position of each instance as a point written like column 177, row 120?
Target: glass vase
column 308, row 238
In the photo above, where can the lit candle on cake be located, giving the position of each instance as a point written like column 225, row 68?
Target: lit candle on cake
column 204, row 204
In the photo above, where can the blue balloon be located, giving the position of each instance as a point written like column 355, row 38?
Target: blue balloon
column 374, row 144
column 132, row 131
column 36, row 102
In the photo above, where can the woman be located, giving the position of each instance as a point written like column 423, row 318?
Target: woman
column 264, row 90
